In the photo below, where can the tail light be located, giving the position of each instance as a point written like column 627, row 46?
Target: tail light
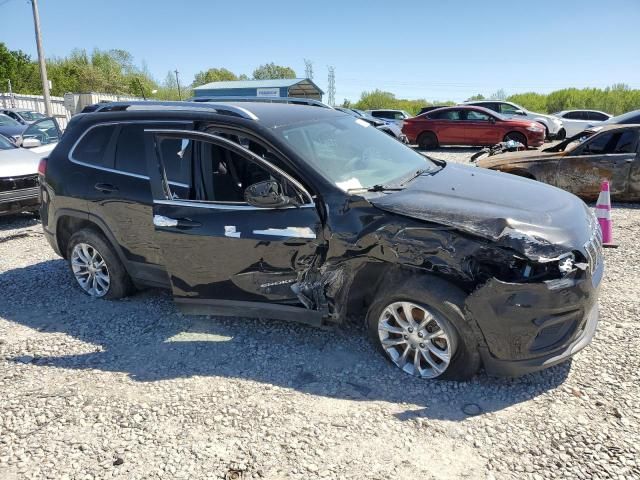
column 42, row 166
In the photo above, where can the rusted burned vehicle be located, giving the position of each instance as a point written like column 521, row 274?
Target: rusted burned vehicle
column 580, row 163
column 311, row 215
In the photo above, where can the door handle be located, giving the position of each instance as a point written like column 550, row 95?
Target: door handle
column 105, row 187
column 162, row 221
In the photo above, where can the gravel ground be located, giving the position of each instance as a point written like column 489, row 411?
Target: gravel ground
column 132, row 389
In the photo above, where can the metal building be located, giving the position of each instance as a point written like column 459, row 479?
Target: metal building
column 285, row 87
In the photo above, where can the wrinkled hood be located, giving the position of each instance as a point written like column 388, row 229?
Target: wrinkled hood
column 523, row 156
column 17, row 162
column 534, row 219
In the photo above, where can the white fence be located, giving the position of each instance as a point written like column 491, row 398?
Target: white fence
column 36, row 102
column 63, row 108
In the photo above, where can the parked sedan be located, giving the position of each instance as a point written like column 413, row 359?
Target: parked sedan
column 395, row 116
column 389, row 128
column 552, row 125
column 579, row 164
column 43, row 133
column 9, row 127
column 575, row 121
column 18, row 178
column 22, row 115
column 466, row 125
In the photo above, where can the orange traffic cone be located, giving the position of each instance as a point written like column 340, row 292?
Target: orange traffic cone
column 603, row 213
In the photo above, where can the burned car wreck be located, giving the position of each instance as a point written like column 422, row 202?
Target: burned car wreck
column 310, row 215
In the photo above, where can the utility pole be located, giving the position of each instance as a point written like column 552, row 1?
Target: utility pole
column 178, row 82
column 41, row 60
column 331, row 100
column 11, row 99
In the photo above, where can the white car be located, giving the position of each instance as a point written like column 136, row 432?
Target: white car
column 18, row 177
column 394, row 116
column 575, row 121
column 552, row 125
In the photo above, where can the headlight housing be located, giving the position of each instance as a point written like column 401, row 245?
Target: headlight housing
column 534, row 128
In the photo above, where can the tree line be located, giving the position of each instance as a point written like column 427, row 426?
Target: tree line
column 111, row 71
column 616, row 99
column 114, row 71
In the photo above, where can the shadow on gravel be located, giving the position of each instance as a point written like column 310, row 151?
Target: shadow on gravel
column 20, row 220
column 144, row 337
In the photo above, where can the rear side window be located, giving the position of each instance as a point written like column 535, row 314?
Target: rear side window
column 597, row 116
column 130, row 154
column 92, row 148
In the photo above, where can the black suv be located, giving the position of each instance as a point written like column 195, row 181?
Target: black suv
column 311, row 215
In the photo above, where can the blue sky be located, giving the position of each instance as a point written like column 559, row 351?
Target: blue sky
column 438, row 50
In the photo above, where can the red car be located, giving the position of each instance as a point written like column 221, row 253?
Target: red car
column 466, row 125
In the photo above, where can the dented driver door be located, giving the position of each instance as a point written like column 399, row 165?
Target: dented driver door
column 223, row 255
column 608, row 155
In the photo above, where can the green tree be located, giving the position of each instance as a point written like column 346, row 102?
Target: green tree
column 475, row 98
column 213, row 75
column 270, row 71
column 18, row 67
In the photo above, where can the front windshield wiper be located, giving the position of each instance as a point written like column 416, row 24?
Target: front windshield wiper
column 413, row 175
column 383, row 188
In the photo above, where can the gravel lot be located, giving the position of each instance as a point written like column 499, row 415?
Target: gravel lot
column 132, row 389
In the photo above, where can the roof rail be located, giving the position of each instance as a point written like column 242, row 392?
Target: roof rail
column 290, row 100
column 221, row 108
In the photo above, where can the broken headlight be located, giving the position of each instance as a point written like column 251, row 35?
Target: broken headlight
column 514, row 268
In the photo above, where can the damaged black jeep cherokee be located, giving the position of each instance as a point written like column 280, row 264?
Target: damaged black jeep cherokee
column 310, row 215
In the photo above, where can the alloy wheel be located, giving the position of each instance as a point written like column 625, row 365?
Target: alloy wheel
column 90, row 270
column 416, row 340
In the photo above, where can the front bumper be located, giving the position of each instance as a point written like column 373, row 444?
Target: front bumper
column 525, row 327
column 21, row 200
column 516, row 368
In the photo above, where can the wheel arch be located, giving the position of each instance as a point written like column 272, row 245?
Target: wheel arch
column 70, row 221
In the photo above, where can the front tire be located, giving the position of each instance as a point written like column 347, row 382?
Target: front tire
column 96, row 267
column 419, row 327
column 516, row 137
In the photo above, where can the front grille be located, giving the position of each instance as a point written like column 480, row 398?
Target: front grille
column 8, row 184
column 593, row 247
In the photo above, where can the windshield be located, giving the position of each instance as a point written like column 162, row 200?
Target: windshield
column 5, row 144
column 30, row 116
column 352, row 154
column 8, row 121
column 624, row 117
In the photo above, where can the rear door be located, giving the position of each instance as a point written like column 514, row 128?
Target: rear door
column 223, row 255
column 450, row 126
column 608, row 155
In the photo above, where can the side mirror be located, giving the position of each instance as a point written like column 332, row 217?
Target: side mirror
column 30, row 142
column 520, row 112
column 267, row 194
column 492, row 119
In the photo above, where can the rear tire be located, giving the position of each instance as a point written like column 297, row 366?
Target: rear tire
column 446, row 335
column 562, row 134
column 516, row 137
column 427, row 141
column 96, row 267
